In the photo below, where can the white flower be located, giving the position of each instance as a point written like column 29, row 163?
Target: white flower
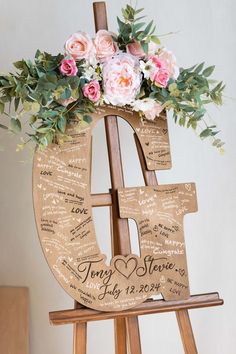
column 148, row 68
column 149, row 107
column 90, row 72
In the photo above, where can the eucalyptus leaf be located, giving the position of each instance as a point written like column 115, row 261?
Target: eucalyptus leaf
column 15, row 125
column 1, row 107
column 3, row 126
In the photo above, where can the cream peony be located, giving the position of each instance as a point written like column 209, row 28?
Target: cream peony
column 149, row 107
column 170, row 62
column 105, row 45
column 121, row 79
column 80, row 46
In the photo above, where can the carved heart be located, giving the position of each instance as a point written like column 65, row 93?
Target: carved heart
column 188, row 187
column 147, row 144
column 165, row 131
column 126, row 268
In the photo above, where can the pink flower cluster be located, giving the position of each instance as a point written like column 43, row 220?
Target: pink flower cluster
column 120, row 72
column 81, row 46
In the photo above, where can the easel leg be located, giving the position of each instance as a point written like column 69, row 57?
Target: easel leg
column 80, row 338
column 186, row 332
column 120, row 336
column 133, row 335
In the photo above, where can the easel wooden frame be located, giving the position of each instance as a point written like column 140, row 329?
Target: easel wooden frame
column 127, row 335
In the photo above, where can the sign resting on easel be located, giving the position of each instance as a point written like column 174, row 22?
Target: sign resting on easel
column 63, row 211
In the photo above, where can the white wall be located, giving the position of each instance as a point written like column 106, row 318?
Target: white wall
column 207, row 32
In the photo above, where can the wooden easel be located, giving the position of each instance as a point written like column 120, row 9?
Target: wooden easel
column 127, row 337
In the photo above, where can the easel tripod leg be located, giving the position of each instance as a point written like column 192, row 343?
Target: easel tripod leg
column 134, row 342
column 80, row 338
column 186, row 332
column 120, row 336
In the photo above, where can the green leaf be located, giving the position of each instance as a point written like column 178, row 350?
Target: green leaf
column 33, row 107
column 2, row 107
column 144, row 46
column 208, row 71
column 15, row 125
column 148, row 28
column 138, row 26
column 205, row 133
column 16, row 103
column 87, row 118
column 61, row 123
column 3, row 126
column 138, row 11
column 32, row 120
column 156, row 40
column 199, row 68
column 66, row 94
column 43, row 129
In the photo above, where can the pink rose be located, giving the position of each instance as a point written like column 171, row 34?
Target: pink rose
column 92, row 91
column 68, row 67
column 105, row 45
column 157, row 61
column 135, row 49
column 80, row 46
column 160, row 77
column 121, row 79
column 170, row 62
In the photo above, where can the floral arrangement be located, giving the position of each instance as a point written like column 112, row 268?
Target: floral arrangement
column 130, row 68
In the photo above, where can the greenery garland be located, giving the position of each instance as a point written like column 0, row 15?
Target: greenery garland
column 52, row 90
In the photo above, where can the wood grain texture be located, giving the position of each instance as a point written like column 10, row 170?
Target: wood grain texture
column 182, row 315
column 148, row 307
column 186, row 332
column 14, row 320
column 118, row 225
column 80, row 338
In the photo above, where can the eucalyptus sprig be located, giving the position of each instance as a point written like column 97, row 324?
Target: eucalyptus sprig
column 132, row 29
column 188, row 97
column 40, row 89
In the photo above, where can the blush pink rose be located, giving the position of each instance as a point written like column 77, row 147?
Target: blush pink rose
column 68, row 67
column 160, row 77
column 170, row 62
column 157, row 61
column 105, row 45
column 135, row 49
column 80, row 46
column 92, row 91
column 121, row 79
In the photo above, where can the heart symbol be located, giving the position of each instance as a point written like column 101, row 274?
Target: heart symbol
column 188, row 187
column 47, row 250
column 137, row 129
column 141, row 192
column 147, row 144
column 126, row 268
column 40, row 186
column 164, row 131
column 39, row 158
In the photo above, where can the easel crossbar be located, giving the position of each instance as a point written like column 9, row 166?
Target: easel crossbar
column 84, row 314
